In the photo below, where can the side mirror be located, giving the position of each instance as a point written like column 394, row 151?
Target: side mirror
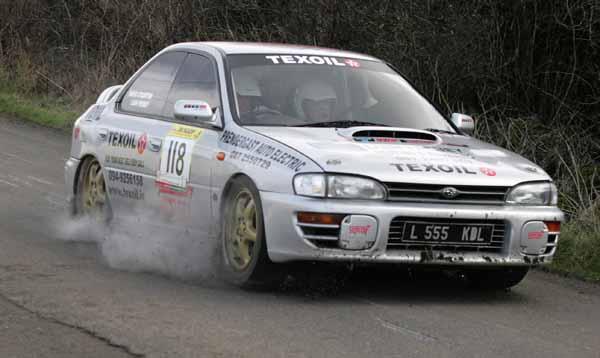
column 192, row 111
column 464, row 122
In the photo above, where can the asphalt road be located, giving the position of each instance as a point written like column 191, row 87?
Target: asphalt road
column 59, row 299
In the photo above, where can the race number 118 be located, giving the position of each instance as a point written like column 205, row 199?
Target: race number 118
column 175, row 158
column 175, row 161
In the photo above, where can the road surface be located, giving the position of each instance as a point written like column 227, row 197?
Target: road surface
column 58, row 298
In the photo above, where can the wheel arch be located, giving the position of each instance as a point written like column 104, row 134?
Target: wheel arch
column 82, row 161
column 227, row 189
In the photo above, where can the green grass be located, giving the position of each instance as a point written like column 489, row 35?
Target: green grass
column 578, row 252
column 44, row 111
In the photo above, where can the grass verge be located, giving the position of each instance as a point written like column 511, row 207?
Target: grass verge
column 47, row 112
column 578, row 252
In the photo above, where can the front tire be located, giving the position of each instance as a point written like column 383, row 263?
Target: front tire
column 244, row 258
column 496, row 278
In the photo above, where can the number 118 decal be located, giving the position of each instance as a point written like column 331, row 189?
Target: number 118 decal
column 175, row 161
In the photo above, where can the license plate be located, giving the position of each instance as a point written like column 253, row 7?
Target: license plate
column 456, row 234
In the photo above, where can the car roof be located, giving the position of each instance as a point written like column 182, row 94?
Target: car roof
column 234, row 48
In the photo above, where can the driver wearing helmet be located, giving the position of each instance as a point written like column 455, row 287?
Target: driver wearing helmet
column 315, row 101
column 249, row 96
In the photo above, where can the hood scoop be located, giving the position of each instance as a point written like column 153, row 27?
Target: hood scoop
column 389, row 135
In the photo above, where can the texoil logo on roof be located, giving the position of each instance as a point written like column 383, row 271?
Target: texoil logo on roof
column 311, row 60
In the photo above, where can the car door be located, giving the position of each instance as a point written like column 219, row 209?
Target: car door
column 189, row 148
column 131, row 137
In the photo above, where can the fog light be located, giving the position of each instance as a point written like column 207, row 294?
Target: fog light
column 320, row 218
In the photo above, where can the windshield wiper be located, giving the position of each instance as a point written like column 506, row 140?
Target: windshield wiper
column 341, row 124
column 435, row 130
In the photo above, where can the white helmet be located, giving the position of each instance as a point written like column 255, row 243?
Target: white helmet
column 246, row 84
column 312, row 90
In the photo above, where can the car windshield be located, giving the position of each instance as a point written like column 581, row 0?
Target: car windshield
column 325, row 91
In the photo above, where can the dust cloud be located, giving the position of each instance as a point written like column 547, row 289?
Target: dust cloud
column 132, row 244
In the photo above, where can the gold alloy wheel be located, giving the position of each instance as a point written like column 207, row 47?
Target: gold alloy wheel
column 242, row 231
column 94, row 190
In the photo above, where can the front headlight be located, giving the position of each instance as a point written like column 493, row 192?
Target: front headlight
column 533, row 194
column 338, row 186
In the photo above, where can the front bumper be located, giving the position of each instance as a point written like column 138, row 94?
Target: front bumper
column 287, row 242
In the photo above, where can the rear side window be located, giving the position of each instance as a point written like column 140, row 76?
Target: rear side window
column 196, row 80
column 148, row 93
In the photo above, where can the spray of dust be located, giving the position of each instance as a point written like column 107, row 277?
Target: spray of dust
column 136, row 244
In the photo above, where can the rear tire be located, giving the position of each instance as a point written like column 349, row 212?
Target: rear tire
column 244, row 258
column 91, row 199
column 496, row 278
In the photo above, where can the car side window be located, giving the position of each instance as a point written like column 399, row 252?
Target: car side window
column 148, row 93
column 196, row 80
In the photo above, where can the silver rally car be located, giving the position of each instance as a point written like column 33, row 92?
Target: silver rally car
column 293, row 153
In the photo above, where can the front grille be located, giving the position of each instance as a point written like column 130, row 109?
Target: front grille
column 396, row 242
column 465, row 194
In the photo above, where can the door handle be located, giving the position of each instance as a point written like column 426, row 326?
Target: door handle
column 155, row 144
column 102, row 133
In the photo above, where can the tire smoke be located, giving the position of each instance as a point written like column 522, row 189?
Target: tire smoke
column 134, row 244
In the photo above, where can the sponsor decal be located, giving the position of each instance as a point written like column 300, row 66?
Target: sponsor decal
column 185, row 132
column 377, row 140
column 175, row 202
column 334, row 162
column 437, row 168
column 260, row 154
column 352, row 63
column 125, row 178
column 488, row 153
column 195, row 106
column 311, row 60
column 127, row 193
column 142, row 142
column 139, row 103
column 487, row 171
column 125, row 185
column 125, row 140
column 535, row 235
column 250, row 159
column 140, row 94
column 239, row 141
column 124, row 161
column 450, row 150
column 94, row 112
column 387, row 140
column 168, row 188
column 359, row 229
